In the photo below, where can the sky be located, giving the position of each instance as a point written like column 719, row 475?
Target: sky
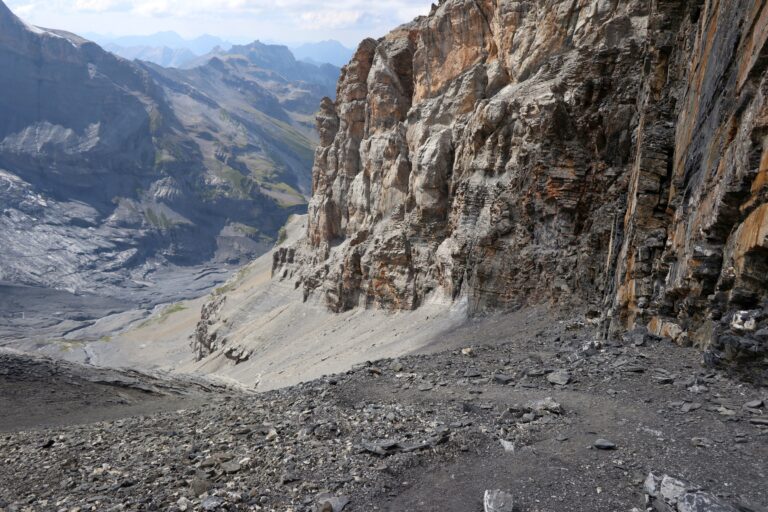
column 285, row 21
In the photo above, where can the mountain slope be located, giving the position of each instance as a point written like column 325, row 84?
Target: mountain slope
column 112, row 171
column 609, row 155
column 265, row 91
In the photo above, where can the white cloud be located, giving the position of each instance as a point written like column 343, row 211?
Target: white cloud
column 99, row 5
column 281, row 20
column 152, row 8
column 330, row 19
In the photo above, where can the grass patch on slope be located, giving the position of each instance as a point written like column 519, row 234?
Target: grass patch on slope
column 164, row 315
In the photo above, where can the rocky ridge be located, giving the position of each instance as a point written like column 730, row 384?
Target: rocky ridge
column 610, row 155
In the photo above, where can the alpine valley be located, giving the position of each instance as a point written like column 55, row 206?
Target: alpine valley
column 124, row 184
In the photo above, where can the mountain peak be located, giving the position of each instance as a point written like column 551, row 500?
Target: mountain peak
column 7, row 16
column 13, row 28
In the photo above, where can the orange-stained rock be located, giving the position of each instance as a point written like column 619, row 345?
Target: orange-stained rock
column 610, row 155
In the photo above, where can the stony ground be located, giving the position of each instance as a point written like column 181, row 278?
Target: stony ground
column 560, row 425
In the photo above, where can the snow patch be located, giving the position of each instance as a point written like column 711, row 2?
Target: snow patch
column 44, row 32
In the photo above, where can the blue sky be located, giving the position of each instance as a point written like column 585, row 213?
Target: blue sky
column 288, row 21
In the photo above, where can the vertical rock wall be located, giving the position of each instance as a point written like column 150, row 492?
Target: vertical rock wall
column 606, row 154
column 695, row 254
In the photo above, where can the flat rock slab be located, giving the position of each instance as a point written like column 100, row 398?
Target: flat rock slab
column 604, row 444
column 559, row 378
column 498, row 501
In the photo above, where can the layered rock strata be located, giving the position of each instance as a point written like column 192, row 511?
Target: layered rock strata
column 606, row 154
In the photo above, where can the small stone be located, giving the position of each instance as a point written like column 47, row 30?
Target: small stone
column 288, row 478
column 559, row 378
column 743, row 321
column 329, row 503
column 508, row 446
column 690, row 406
column 698, row 388
column 230, row 467
column 701, row 442
column 212, row 503
column 200, row 486
column 724, row 411
column 664, row 379
column 209, row 462
column 759, row 421
column 754, row 404
column 545, row 405
column 469, row 352
column 591, row 348
column 498, row 501
column 502, row 379
column 667, row 493
column 183, row 504
column 604, row 444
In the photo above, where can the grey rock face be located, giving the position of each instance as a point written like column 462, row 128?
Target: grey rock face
column 608, row 155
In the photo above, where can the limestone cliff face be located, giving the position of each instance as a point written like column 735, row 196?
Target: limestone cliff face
column 609, row 154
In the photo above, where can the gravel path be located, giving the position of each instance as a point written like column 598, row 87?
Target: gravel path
column 421, row 433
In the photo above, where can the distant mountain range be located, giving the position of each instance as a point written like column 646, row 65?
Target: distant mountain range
column 279, row 61
column 111, row 169
column 199, row 45
column 331, row 52
column 169, row 49
column 162, row 55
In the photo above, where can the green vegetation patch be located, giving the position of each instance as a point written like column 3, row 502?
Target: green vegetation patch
column 233, row 282
column 68, row 346
column 282, row 235
column 161, row 221
column 164, row 315
column 242, row 186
